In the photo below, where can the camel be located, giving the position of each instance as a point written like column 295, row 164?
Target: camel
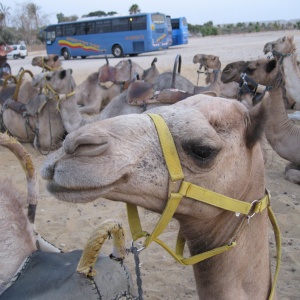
column 218, row 144
column 32, row 268
column 39, row 121
column 50, row 62
column 212, row 64
column 284, row 51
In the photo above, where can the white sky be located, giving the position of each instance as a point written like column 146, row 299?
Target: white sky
column 196, row 11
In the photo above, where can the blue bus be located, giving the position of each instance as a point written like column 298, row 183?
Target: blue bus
column 179, row 31
column 116, row 35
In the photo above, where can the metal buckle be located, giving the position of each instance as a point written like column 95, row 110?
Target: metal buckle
column 252, row 208
column 137, row 249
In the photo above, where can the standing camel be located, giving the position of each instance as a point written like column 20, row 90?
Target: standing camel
column 218, row 144
column 284, row 51
column 212, row 65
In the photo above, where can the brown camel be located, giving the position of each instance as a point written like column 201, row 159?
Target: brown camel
column 39, row 121
column 47, row 274
column 49, row 62
column 219, row 149
column 212, row 64
column 284, row 51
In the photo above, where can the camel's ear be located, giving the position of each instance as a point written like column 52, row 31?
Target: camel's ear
column 55, row 58
column 255, row 124
column 216, row 58
column 271, row 65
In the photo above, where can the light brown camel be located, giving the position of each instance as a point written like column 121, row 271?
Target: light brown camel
column 284, row 51
column 49, row 62
column 219, row 149
column 282, row 133
column 39, row 121
column 26, row 273
column 212, row 64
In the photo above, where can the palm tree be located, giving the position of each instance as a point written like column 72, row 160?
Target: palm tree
column 134, row 9
column 33, row 11
column 4, row 15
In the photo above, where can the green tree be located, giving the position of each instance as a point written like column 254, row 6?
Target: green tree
column 34, row 12
column 62, row 18
column 4, row 15
column 134, row 9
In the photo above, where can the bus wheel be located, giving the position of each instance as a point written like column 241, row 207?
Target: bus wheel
column 117, row 51
column 66, row 54
column 83, row 57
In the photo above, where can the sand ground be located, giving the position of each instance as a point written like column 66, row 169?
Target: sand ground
column 68, row 226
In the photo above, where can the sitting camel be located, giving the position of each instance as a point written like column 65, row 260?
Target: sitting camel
column 50, row 62
column 212, row 66
column 39, row 120
column 284, row 51
column 31, row 268
column 218, row 144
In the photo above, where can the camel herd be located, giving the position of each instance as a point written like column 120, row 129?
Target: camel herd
column 218, row 134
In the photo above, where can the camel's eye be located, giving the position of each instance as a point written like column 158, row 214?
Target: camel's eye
column 201, row 154
column 48, row 77
column 250, row 70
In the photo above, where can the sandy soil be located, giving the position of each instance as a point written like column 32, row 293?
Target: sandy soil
column 68, row 226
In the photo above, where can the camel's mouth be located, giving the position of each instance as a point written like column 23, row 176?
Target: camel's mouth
column 75, row 195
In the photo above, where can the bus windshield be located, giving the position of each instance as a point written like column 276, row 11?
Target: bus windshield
column 179, row 31
column 119, row 36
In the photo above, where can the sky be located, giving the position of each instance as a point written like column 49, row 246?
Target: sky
column 196, row 11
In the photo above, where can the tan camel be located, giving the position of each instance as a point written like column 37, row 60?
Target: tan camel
column 49, row 62
column 39, row 121
column 284, row 51
column 212, row 64
column 218, row 144
column 47, row 274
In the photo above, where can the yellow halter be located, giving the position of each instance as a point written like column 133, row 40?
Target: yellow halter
column 179, row 188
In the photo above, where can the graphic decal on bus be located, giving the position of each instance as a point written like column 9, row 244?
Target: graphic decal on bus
column 161, row 38
column 77, row 44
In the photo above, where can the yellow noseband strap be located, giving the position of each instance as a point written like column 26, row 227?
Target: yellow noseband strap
column 178, row 189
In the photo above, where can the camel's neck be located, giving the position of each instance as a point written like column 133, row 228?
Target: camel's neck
column 246, row 268
column 282, row 134
column 17, row 240
column 292, row 77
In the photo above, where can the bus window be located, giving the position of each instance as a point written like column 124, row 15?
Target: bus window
column 120, row 24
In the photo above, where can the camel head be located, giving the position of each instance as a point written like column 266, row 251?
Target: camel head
column 207, row 61
column 121, row 159
column 263, row 71
column 50, row 62
column 281, row 46
column 61, row 81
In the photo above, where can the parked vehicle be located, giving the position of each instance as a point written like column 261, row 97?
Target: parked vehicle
column 20, row 51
